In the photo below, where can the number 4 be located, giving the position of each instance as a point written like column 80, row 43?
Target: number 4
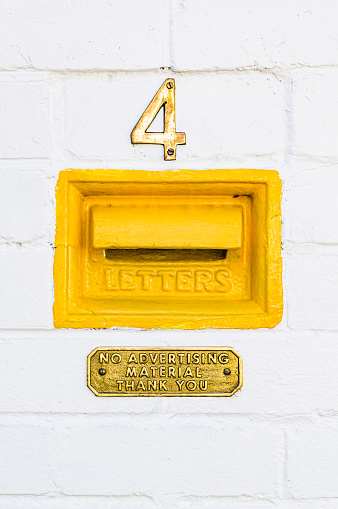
column 169, row 138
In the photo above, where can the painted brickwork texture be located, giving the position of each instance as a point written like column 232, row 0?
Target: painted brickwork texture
column 257, row 87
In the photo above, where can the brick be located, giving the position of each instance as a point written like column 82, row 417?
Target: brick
column 26, row 287
column 256, row 503
column 84, row 35
column 223, row 116
column 187, row 460
column 313, row 460
column 24, row 131
column 253, row 33
column 24, row 206
column 312, row 295
column 311, row 205
column 23, row 460
column 271, row 358
column 58, row 501
column 315, row 111
column 165, row 502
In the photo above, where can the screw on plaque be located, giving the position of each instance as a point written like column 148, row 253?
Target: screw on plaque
column 102, row 371
column 227, row 371
column 170, row 151
column 169, row 85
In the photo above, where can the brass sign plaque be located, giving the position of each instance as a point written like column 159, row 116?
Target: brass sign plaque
column 164, row 371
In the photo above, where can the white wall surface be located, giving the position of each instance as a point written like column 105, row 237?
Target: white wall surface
column 256, row 87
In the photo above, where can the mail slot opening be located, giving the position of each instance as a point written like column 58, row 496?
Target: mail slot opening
column 165, row 255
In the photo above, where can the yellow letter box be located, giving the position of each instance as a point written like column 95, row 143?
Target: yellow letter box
column 171, row 249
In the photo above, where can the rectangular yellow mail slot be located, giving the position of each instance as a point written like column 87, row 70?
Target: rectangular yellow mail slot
column 182, row 249
column 169, row 226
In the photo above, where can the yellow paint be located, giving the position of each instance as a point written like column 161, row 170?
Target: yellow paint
column 168, row 249
column 167, row 224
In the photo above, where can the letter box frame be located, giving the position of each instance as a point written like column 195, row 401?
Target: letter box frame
column 75, row 262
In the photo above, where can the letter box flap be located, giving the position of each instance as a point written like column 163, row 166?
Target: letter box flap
column 163, row 226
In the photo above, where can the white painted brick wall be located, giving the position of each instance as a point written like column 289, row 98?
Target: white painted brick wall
column 247, row 110
column 253, row 33
column 83, row 35
column 23, row 119
column 257, row 87
column 180, row 455
column 23, row 459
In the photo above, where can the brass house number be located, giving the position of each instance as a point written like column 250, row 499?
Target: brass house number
column 169, row 138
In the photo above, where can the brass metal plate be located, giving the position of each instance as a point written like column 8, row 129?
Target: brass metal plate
column 164, row 371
